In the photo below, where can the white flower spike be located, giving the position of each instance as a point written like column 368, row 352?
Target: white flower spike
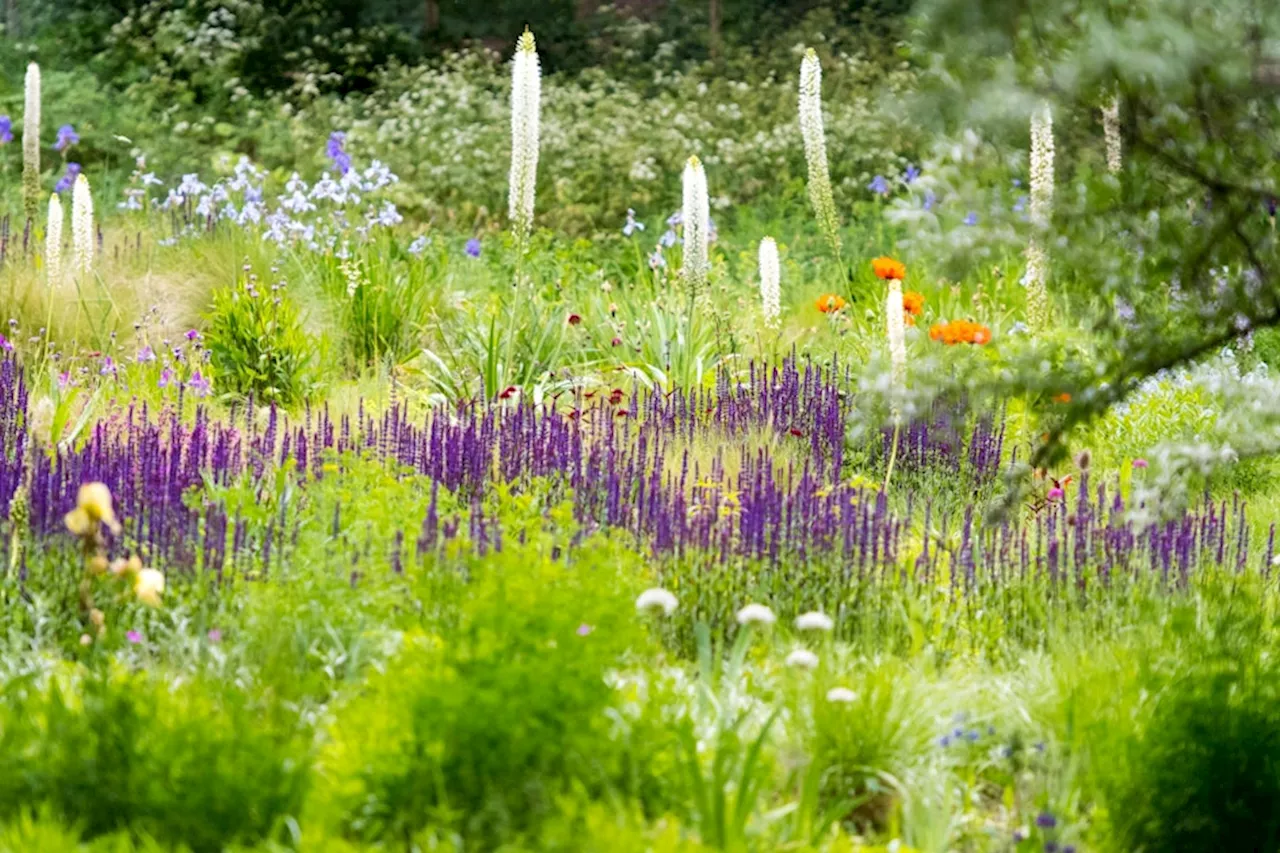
column 53, row 240
column 815, row 149
column 526, row 108
column 696, row 216
column 770, row 281
column 82, row 233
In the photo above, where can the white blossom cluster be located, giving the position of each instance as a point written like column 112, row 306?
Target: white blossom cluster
column 83, row 236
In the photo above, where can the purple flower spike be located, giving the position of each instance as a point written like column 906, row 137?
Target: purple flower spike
column 6, row 130
column 68, row 180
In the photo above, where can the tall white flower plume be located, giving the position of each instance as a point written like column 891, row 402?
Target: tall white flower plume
column 526, row 106
column 696, row 216
column 1111, row 130
column 770, row 281
column 53, row 240
column 1041, row 166
column 1037, row 274
column 82, row 236
column 31, row 144
column 896, row 332
column 815, row 149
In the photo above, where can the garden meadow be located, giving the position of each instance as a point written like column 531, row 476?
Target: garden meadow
column 567, row 463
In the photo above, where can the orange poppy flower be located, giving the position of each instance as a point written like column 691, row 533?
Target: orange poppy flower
column 912, row 302
column 829, row 303
column 887, row 268
column 960, row 332
column 1064, row 397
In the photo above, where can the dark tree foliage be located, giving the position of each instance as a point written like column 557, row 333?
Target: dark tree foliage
column 355, row 37
column 1177, row 255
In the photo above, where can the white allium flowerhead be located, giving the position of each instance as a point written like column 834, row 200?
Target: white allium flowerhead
column 895, row 329
column 802, row 659
column 756, row 614
column 31, row 142
column 814, row 621
column 1111, row 130
column 526, row 107
column 82, row 234
column 815, row 148
column 770, row 281
column 1041, row 166
column 53, row 239
column 696, row 217
column 841, row 694
column 657, row 598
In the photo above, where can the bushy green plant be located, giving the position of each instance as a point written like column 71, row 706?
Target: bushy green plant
column 382, row 297
column 192, row 763
column 258, row 345
column 483, row 726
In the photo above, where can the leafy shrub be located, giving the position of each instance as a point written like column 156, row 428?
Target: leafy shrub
column 1197, row 766
column 189, row 763
column 485, row 726
column 258, row 345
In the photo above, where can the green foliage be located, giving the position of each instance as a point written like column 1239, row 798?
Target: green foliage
column 1201, row 771
column 258, row 345
column 384, row 298
column 483, row 726
column 186, row 763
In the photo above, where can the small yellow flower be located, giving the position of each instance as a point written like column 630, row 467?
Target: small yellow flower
column 78, row 522
column 148, row 585
column 93, row 505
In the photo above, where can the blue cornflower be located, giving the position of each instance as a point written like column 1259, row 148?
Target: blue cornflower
column 6, row 130
column 68, row 180
column 335, row 152
column 1020, row 205
column 930, row 199
column 67, row 137
column 1044, row 820
column 972, row 218
column 909, row 176
column 631, row 226
column 972, row 735
column 944, row 741
column 1017, row 182
column 473, row 247
column 879, row 185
